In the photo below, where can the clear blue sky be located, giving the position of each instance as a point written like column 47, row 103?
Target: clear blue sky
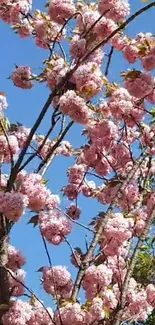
column 24, row 106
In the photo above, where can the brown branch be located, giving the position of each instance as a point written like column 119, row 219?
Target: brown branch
column 131, row 267
column 4, row 285
column 98, row 234
column 55, row 92
column 72, row 250
column 43, row 142
column 55, row 146
column 61, row 30
column 30, row 291
column 77, row 222
column 29, row 138
column 46, row 250
column 94, row 24
column 122, row 26
column 55, row 289
column 62, row 83
column 109, row 61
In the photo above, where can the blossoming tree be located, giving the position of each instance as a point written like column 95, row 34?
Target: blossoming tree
column 115, row 166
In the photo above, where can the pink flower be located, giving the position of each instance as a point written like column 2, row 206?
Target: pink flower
column 57, row 68
column 15, row 287
column 15, row 258
column 18, row 314
column 102, row 134
column 21, row 134
column 77, row 46
column 10, row 11
column 65, row 149
column 8, row 147
column 52, row 201
column 21, row 77
column 131, row 52
column 119, row 228
column 57, row 281
column 73, row 212
column 24, row 28
column 104, row 27
column 71, row 314
column 88, row 79
column 32, row 185
column 139, row 86
column 106, row 194
column 40, row 316
column 148, row 61
column 124, row 107
column 76, row 173
column 75, row 107
column 137, row 305
column 46, row 30
column 61, row 10
column 118, row 9
column 96, row 311
column 88, row 188
column 96, row 277
column 13, row 205
column 119, row 41
column 71, row 190
column 87, row 19
column 150, row 291
column 54, row 226
column 110, row 300
column 129, row 196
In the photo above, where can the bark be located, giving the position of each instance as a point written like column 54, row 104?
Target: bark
column 4, row 285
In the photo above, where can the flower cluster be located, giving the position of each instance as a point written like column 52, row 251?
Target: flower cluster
column 75, row 107
column 21, row 77
column 54, row 226
column 12, row 205
column 15, row 258
column 32, row 185
column 57, row 281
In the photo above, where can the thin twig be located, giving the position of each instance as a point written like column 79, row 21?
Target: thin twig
column 109, row 61
column 132, row 265
column 55, row 146
column 40, row 147
column 30, row 291
column 54, row 283
column 62, row 51
column 76, row 222
column 46, row 249
column 14, row 170
column 61, row 30
column 98, row 234
column 94, row 24
column 122, row 26
column 72, row 250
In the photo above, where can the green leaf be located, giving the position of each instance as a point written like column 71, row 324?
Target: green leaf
column 152, row 121
column 34, row 220
column 44, row 181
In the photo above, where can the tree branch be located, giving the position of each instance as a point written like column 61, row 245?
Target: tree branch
column 46, row 161
column 132, row 265
column 98, row 234
column 122, row 26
